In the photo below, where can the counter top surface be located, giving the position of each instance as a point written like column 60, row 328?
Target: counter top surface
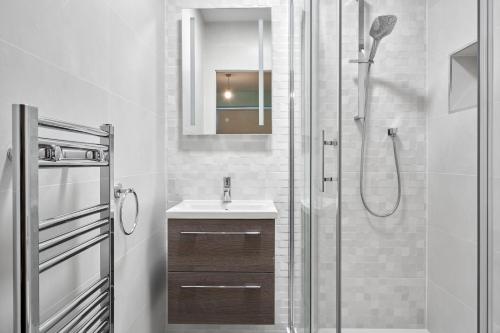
column 216, row 209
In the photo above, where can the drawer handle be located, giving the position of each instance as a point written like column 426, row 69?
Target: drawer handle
column 247, row 233
column 222, row 287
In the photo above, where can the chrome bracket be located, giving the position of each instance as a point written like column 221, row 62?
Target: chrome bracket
column 50, row 153
column 55, row 153
column 332, row 143
column 121, row 193
column 96, row 155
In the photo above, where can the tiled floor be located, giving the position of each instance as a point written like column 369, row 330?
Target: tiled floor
column 368, row 330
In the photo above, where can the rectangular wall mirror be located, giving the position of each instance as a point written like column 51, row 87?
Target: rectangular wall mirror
column 226, row 71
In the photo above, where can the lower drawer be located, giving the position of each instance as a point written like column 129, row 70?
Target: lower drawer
column 221, row 298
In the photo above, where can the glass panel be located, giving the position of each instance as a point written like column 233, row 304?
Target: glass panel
column 420, row 258
column 302, row 162
column 409, row 178
column 315, row 50
column 324, row 106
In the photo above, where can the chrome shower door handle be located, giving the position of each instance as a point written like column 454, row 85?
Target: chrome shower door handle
column 324, row 143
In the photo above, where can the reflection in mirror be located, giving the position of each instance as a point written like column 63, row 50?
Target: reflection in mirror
column 226, row 71
column 238, row 103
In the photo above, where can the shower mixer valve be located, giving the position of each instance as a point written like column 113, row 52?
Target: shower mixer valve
column 392, row 131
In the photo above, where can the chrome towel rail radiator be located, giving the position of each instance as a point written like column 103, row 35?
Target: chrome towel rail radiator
column 91, row 310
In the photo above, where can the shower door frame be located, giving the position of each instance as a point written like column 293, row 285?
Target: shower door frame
column 338, row 218
column 485, row 168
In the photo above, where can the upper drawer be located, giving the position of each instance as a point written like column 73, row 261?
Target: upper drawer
column 220, row 245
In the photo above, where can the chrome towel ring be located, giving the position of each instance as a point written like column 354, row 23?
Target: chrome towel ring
column 121, row 194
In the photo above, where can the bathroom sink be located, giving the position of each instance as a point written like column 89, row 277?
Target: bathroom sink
column 216, row 209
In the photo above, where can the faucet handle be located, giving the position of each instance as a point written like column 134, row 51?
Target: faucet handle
column 227, row 182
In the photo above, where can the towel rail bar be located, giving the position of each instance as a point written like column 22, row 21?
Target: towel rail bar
column 62, row 125
column 71, row 253
column 71, row 164
column 72, row 234
column 98, row 301
column 71, row 144
column 100, row 315
column 52, row 222
column 54, row 152
column 62, row 313
column 102, row 327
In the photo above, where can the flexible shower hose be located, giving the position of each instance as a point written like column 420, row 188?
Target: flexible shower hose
column 362, row 162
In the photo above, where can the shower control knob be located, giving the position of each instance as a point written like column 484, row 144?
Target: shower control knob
column 393, row 131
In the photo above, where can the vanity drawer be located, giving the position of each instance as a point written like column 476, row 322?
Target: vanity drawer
column 221, row 298
column 220, row 245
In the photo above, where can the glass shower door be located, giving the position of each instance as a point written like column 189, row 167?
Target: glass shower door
column 315, row 55
column 316, row 36
column 399, row 271
column 324, row 160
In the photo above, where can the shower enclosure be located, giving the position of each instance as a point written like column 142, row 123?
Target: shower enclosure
column 394, row 218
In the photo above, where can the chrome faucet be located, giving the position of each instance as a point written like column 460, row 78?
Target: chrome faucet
column 227, row 189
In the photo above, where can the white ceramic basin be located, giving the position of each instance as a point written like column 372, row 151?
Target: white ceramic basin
column 216, row 209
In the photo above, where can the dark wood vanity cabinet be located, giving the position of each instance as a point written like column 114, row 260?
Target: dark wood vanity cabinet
column 221, row 271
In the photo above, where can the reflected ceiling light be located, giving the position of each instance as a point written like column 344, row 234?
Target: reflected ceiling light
column 228, row 94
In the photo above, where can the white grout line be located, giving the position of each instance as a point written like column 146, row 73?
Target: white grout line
column 451, row 174
column 458, row 300
column 449, row 234
column 134, row 31
column 76, row 77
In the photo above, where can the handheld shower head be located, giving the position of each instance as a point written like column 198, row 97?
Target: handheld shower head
column 382, row 26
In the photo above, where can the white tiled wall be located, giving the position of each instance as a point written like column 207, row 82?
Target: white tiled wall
column 383, row 259
column 452, row 158
column 91, row 62
column 258, row 165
